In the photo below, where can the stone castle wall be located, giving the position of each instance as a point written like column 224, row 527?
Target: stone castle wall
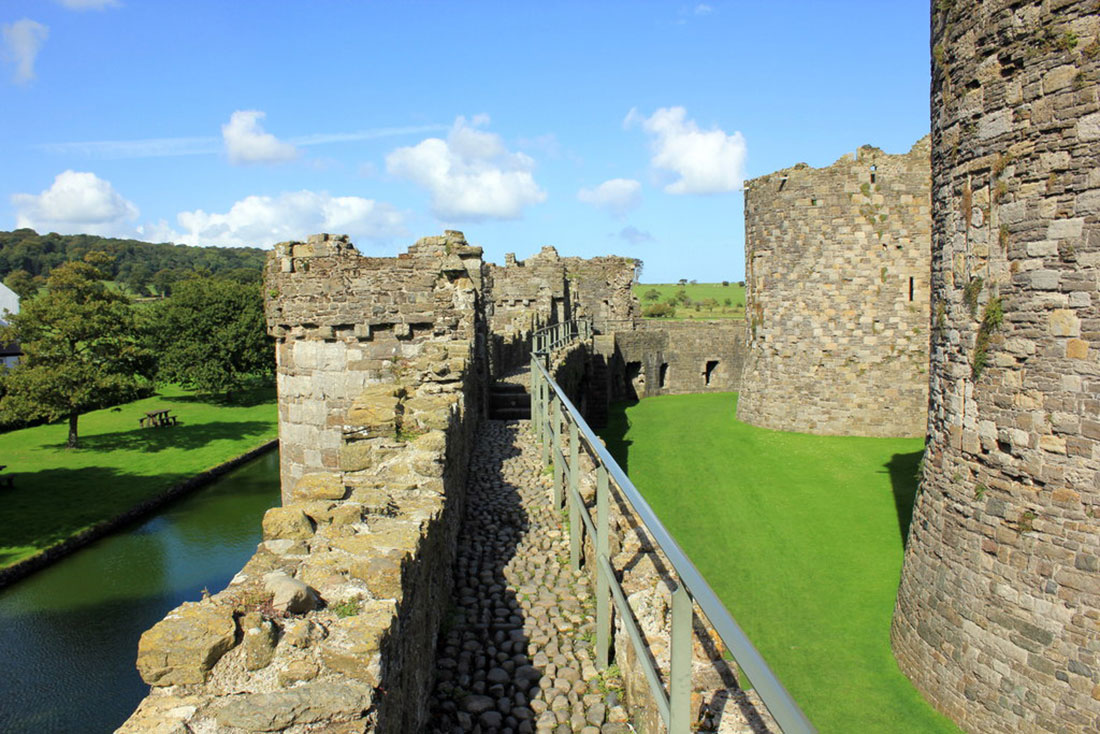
column 998, row 613
column 342, row 321
column 331, row 626
column 544, row 289
column 677, row 357
column 837, row 296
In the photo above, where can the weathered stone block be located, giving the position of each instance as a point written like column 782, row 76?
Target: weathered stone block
column 185, row 645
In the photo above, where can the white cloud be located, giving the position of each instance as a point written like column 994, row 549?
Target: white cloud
column 89, row 4
column 170, row 147
column 470, row 175
column 260, row 221
column 76, row 203
column 21, row 43
column 707, row 161
column 246, row 142
column 617, row 196
column 703, row 9
column 635, row 236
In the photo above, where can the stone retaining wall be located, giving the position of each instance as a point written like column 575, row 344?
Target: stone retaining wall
column 998, row 613
column 837, row 296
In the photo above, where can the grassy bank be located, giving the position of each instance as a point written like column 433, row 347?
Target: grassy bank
column 800, row 536
column 698, row 294
column 60, row 492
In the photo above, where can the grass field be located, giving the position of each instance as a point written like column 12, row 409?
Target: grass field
column 801, row 537
column 698, row 293
column 59, row 492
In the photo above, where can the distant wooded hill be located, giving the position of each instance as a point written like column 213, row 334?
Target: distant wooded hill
column 139, row 265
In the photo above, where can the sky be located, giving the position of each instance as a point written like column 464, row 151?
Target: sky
column 600, row 128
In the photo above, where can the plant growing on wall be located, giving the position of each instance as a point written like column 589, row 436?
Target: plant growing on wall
column 992, row 317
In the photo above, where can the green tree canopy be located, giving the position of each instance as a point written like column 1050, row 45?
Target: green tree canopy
column 210, row 335
column 81, row 350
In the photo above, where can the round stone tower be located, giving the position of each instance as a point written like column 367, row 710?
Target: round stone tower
column 998, row 612
column 837, row 296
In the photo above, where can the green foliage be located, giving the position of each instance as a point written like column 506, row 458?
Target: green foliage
column 992, row 317
column 658, row 311
column 1026, row 523
column 979, row 491
column 25, row 249
column 23, row 283
column 81, row 350
column 970, row 294
column 652, row 294
column 696, row 293
column 349, row 608
column 210, row 335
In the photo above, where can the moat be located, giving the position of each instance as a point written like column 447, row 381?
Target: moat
column 69, row 633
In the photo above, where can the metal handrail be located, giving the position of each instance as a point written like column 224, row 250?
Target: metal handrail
column 551, row 337
column 550, row 408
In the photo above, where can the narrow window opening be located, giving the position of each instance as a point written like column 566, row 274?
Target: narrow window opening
column 711, row 366
column 910, row 289
column 663, row 378
column 813, row 202
column 874, row 168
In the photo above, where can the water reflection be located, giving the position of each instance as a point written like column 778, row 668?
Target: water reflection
column 68, row 634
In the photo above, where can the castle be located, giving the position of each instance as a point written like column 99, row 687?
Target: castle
column 978, row 327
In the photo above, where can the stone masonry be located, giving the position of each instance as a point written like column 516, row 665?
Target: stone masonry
column 998, row 613
column 837, row 296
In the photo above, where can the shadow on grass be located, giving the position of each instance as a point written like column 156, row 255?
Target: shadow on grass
column 614, row 433
column 243, row 398
column 49, row 506
column 182, row 436
column 904, row 480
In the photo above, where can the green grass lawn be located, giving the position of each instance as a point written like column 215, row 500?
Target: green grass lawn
column 59, row 492
column 800, row 536
column 698, row 292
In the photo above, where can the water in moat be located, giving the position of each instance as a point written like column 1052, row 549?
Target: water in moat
column 69, row 633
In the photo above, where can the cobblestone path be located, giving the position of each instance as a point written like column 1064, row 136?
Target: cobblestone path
column 515, row 655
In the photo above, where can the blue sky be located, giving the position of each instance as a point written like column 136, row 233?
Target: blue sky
column 596, row 127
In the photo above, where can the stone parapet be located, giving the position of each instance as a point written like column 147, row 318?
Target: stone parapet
column 837, row 296
column 677, row 357
column 998, row 613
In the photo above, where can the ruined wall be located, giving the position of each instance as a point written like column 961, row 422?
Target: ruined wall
column 525, row 295
column 837, row 296
column 998, row 613
column 331, row 626
column 677, row 357
column 342, row 321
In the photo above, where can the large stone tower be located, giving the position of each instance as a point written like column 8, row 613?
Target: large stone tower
column 837, row 296
column 998, row 613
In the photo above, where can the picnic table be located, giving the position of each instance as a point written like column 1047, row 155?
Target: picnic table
column 156, row 418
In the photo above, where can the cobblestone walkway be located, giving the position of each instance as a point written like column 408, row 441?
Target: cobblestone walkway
column 515, row 655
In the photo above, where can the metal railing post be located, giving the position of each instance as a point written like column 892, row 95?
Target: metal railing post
column 544, row 427
column 679, row 678
column 555, row 449
column 573, row 497
column 603, row 585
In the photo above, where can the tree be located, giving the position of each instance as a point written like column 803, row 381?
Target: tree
column 652, row 294
column 22, row 283
column 81, row 350
column 210, row 335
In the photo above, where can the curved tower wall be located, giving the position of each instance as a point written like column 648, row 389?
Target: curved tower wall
column 998, row 612
column 837, row 296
